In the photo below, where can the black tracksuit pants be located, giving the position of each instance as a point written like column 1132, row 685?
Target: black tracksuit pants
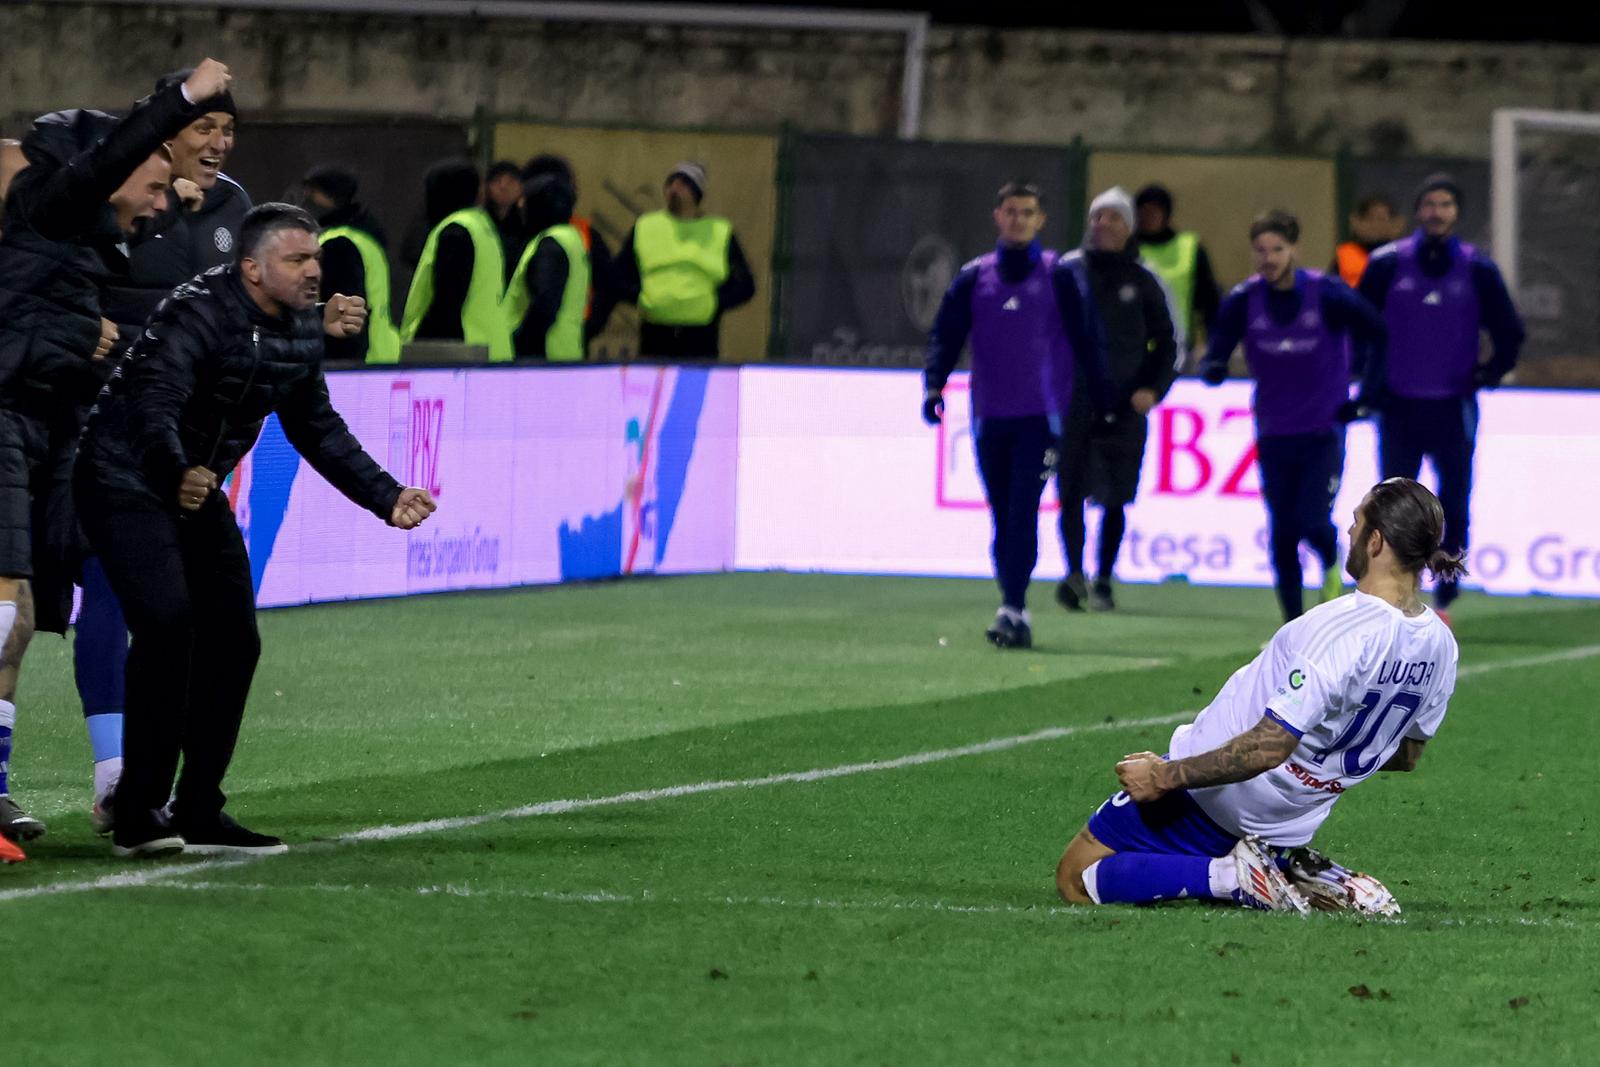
column 1300, row 476
column 1016, row 458
column 184, row 582
column 1446, row 432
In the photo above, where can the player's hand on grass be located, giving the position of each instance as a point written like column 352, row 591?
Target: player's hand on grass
column 196, row 485
column 344, row 316
column 1139, row 773
column 933, row 407
column 413, row 507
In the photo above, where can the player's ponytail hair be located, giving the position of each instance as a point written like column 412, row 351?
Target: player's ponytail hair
column 1411, row 520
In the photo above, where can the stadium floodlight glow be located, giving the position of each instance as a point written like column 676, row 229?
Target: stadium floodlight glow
column 913, row 25
column 1508, row 126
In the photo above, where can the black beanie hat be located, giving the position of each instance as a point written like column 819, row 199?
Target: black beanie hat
column 338, row 183
column 1435, row 182
column 1154, row 194
column 223, row 101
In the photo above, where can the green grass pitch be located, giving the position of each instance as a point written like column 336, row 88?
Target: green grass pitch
column 702, row 900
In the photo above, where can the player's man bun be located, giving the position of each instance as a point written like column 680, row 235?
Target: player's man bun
column 1411, row 520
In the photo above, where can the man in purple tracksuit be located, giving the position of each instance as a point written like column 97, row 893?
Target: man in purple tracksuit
column 1030, row 320
column 1298, row 328
column 1437, row 293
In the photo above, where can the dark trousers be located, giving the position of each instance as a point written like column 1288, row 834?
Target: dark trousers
column 1104, row 467
column 1445, row 431
column 1015, row 457
column 679, row 342
column 184, row 583
column 1299, row 478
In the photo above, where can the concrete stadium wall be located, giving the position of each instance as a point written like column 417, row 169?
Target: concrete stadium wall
column 1193, row 93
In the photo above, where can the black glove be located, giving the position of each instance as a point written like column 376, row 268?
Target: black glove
column 933, row 409
column 1485, row 377
column 1213, row 373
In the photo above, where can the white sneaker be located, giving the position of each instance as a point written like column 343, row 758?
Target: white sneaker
column 1261, row 884
column 1331, row 887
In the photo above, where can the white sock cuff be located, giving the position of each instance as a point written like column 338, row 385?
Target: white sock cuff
column 1091, row 881
column 1224, row 877
column 8, row 619
column 8, row 714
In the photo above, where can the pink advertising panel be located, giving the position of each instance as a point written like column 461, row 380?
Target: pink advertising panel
column 837, row 472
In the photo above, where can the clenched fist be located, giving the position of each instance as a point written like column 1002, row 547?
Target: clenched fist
column 344, row 316
column 197, row 484
column 209, row 79
column 414, row 506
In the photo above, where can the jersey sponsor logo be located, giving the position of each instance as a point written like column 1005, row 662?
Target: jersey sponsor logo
column 1433, row 299
column 1011, row 305
column 1297, row 678
column 1326, row 785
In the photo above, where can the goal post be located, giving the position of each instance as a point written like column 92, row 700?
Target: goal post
column 1545, row 181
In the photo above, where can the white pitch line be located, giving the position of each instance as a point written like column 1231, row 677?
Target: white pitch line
column 159, row 873
column 459, row 892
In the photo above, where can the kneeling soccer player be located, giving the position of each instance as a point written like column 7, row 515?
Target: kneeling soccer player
column 1352, row 687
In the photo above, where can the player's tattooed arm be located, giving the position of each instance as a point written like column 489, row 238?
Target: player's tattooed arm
column 1146, row 776
column 1405, row 757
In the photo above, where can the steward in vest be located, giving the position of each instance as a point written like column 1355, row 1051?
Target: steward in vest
column 455, row 293
column 1373, row 224
column 1298, row 328
column 1179, row 258
column 603, row 295
column 1437, row 294
column 1030, row 321
column 684, row 269
column 549, row 289
column 355, row 262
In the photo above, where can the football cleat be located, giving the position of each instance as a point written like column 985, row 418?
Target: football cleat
column 1261, row 884
column 17, row 825
column 1010, row 629
column 1330, row 887
column 10, row 853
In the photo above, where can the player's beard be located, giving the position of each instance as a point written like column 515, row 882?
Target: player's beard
column 1356, row 562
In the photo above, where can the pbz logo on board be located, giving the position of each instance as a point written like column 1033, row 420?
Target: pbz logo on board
column 416, row 436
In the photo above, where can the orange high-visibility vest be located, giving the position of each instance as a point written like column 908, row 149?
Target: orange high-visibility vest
column 1352, row 259
column 581, row 224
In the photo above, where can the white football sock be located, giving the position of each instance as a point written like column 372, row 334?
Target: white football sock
column 106, row 773
column 1224, row 876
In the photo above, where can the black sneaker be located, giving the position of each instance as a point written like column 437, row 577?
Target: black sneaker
column 148, row 838
column 1072, row 592
column 1010, row 630
column 221, row 836
column 16, row 824
column 1100, row 597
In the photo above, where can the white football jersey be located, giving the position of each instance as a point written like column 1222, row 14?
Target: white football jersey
column 1351, row 678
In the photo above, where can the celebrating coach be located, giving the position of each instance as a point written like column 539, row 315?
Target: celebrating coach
column 221, row 354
